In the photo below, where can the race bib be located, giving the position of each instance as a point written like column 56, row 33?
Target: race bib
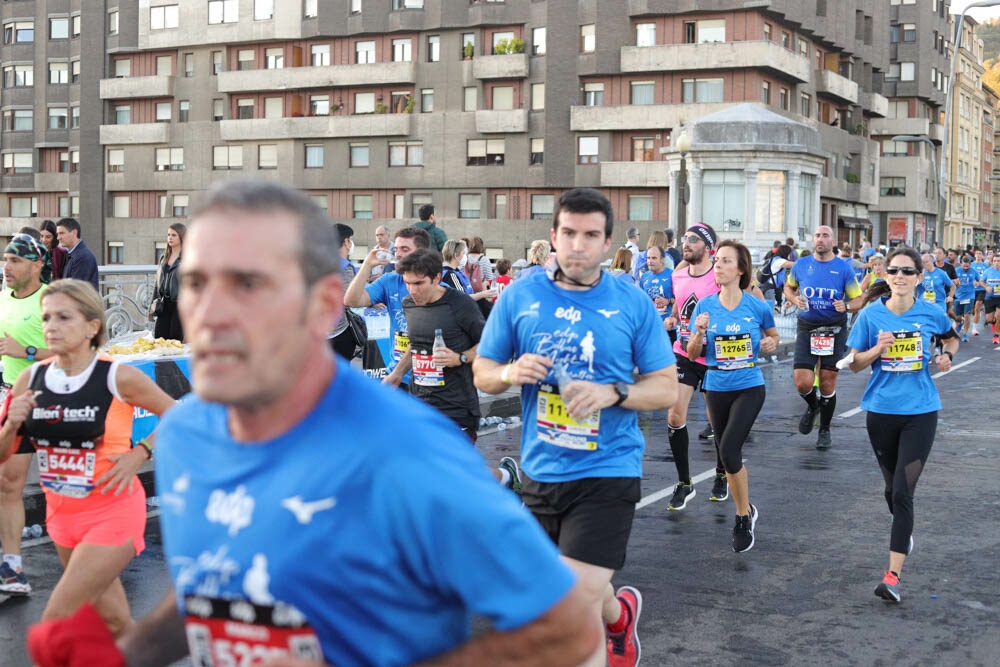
column 733, row 352
column 557, row 427
column 67, row 470
column 402, row 344
column 425, row 372
column 821, row 343
column 965, row 302
column 238, row 633
column 930, row 296
column 994, row 285
column 906, row 354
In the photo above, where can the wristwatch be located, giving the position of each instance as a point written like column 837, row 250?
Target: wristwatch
column 30, row 352
column 622, row 389
column 462, row 358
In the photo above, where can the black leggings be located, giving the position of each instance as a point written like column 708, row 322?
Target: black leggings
column 901, row 444
column 733, row 414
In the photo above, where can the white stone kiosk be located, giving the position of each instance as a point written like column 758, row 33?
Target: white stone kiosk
column 754, row 175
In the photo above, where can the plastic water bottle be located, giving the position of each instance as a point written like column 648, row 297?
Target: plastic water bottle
column 438, row 339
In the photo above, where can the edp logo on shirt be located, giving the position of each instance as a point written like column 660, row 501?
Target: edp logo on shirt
column 571, row 314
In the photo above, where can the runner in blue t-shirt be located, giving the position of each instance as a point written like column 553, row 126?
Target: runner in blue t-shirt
column 991, row 283
column 656, row 283
column 729, row 326
column 389, row 291
column 293, row 523
column 825, row 290
column 570, row 340
column 980, row 266
column 936, row 287
column 965, row 294
column 894, row 337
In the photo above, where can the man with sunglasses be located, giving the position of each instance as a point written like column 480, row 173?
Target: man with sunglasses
column 25, row 273
column 824, row 288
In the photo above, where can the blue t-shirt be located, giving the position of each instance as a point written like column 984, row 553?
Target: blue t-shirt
column 935, row 287
column 390, row 290
column 658, row 284
column 328, row 521
column 992, row 279
column 901, row 382
column 966, row 284
column 732, row 341
column 980, row 268
column 822, row 283
column 601, row 335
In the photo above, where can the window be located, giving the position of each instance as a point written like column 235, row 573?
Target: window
column 500, row 206
column 188, row 65
column 218, row 109
column 893, row 73
column 406, row 153
column 244, row 109
column 485, row 152
column 123, row 114
column 360, row 155
column 319, row 55
column 21, row 120
column 227, row 157
column 892, row 186
column 767, row 32
column 363, row 206
column 160, row 18
column 587, row 150
column 58, row 73
column 593, row 94
column 470, row 205
column 642, row 92
column 23, row 207
column 426, row 100
column 113, row 21
column 499, row 37
column 537, row 151
column 321, row 201
column 537, row 96
column 315, row 156
column 723, row 195
column 909, row 32
column 468, row 44
column 645, row 34
column 119, row 206
column 407, row 4
column 116, row 252
column 503, row 98
column 702, row 90
column 542, row 206
column 418, row 200
column 180, row 207
column 640, row 207
column 163, row 112
column 74, row 71
column 803, row 48
column 169, row 159
column 402, row 50
column 19, row 32
column 76, row 22
column 18, row 76
column 805, row 104
column 319, row 105
column 470, row 99
column 183, row 111
column 216, row 62
column 65, row 207
column 907, row 71
column 63, row 162
column 245, row 59
column 223, row 11
column 765, row 92
column 364, row 52
column 691, row 32
column 274, row 58
column 263, row 10
column 642, row 149
column 59, row 28
column 713, row 30
column 267, row 156
column 433, row 48
column 364, row 102
column 116, row 160
column 74, row 118
column 588, row 38
column 786, row 40
column 273, row 107
column 783, row 99
column 538, row 41
column 310, row 8
column 164, row 65
column 18, row 163
column 123, row 67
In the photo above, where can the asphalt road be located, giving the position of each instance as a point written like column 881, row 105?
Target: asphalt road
column 804, row 594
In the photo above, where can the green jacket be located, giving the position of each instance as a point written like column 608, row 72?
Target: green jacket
column 438, row 237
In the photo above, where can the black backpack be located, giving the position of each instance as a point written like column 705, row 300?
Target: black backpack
column 764, row 275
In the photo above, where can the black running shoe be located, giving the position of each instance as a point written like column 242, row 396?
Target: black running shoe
column 824, row 441
column 682, row 494
column 720, row 490
column 707, row 433
column 808, row 420
column 743, row 531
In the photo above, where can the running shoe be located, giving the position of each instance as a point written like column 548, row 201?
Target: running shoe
column 510, row 465
column 720, row 490
column 13, row 583
column 965, row 338
column 996, row 340
column 707, row 433
column 824, row 440
column 743, row 531
column 808, row 420
column 623, row 647
column 889, row 588
column 682, row 494
column 975, row 330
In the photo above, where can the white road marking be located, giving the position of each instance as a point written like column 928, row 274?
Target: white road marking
column 850, row 413
column 663, row 493
column 955, row 368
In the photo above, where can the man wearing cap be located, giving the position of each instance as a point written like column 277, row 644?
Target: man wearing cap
column 26, row 269
column 692, row 282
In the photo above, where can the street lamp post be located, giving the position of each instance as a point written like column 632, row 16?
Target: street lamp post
column 942, row 203
column 683, row 189
column 945, row 148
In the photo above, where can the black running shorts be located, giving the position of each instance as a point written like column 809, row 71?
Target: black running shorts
column 690, row 372
column 804, row 358
column 589, row 519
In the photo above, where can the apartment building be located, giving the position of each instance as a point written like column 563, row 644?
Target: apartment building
column 375, row 107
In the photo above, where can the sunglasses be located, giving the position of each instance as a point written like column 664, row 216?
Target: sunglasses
column 693, row 238
column 905, row 270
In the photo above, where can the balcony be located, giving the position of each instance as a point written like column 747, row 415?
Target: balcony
column 874, row 104
column 501, row 122
column 506, row 66
column 831, row 84
column 9, row 226
column 635, row 174
column 921, row 127
column 138, row 133
column 319, row 127
column 638, row 116
column 716, row 56
column 333, row 76
column 130, row 87
column 56, row 182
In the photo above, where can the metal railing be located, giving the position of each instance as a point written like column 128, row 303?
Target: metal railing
column 127, row 291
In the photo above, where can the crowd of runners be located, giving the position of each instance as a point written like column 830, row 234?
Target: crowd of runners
column 275, row 462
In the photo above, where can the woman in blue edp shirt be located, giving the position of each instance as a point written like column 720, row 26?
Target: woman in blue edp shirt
column 730, row 325
column 894, row 336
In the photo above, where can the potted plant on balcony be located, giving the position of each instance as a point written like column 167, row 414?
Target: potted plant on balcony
column 500, row 48
column 467, row 51
column 515, row 45
column 410, row 103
